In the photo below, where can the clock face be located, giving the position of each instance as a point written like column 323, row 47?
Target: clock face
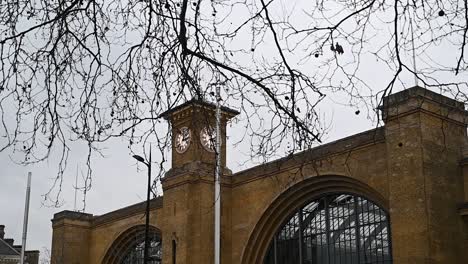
column 208, row 138
column 182, row 139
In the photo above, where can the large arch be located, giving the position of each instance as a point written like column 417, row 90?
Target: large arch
column 297, row 195
column 129, row 240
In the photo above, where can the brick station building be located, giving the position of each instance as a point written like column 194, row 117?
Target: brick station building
column 394, row 194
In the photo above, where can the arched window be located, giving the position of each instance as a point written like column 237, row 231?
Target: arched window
column 337, row 228
column 129, row 247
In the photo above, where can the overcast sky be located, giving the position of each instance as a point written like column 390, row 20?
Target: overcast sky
column 118, row 183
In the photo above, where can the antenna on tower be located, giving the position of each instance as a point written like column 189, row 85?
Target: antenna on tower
column 76, row 188
column 414, row 53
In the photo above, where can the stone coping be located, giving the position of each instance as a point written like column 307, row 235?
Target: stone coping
column 72, row 215
column 137, row 208
column 416, row 91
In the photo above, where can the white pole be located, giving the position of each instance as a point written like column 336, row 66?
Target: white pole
column 76, row 188
column 26, row 214
column 217, row 227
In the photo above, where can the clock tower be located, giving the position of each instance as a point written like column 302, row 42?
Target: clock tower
column 189, row 185
column 194, row 131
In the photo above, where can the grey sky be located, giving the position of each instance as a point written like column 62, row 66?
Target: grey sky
column 117, row 182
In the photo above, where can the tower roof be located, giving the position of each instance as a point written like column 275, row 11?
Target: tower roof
column 420, row 99
column 199, row 103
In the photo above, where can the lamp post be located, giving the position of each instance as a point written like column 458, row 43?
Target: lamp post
column 148, row 164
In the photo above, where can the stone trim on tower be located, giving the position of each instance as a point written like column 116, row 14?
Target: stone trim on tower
column 419, row 99
column 194, row 119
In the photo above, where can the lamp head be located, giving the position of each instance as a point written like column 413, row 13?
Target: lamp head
column 139, row 158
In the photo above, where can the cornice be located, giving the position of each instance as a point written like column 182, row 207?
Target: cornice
column 345, row 145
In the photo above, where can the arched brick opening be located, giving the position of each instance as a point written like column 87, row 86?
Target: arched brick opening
column 127, row 240
column 297, row 195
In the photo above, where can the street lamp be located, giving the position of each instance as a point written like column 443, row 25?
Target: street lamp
column 148, row 164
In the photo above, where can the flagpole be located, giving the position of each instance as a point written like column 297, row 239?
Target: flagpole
column 25, row 221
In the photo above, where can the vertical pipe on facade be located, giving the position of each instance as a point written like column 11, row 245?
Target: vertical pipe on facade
column 25, row 221
column 217, row 220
